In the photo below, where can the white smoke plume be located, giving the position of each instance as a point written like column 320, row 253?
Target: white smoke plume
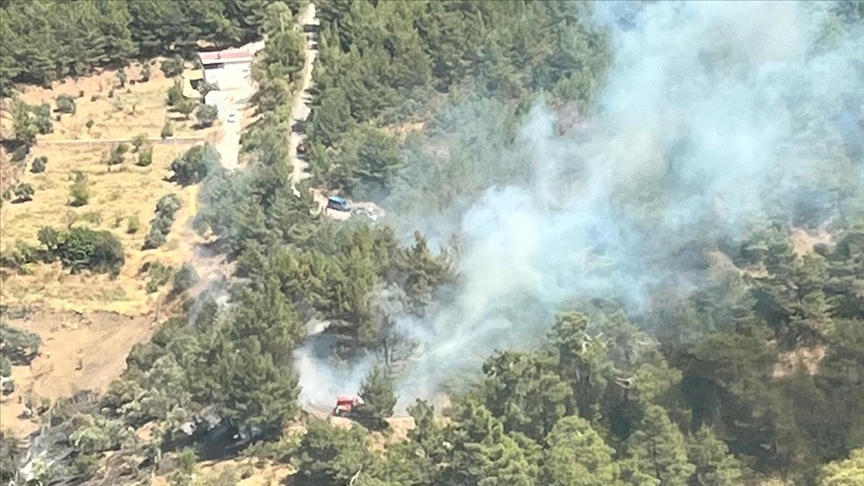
column 713, row 116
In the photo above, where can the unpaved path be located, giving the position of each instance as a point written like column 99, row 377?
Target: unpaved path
column 300, row 110
column 228, row 145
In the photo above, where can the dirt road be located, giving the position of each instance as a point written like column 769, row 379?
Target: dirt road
column 300, row 110
column 239, row 93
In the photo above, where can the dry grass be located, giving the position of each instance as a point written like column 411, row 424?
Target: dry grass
column 116, row 196
column 140, row 110
column 126, row 192
column 77, row 353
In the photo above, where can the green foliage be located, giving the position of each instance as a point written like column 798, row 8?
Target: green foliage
column 66, row 104
column 194, row 165
column 577, row 456
column 117, row 154
column 847, row 472
column 175, row 94
column 159, row 276
column 23, row 192
column 145, row 156
column 160, row 227
column 133, row 224
column 39, row 164
column 122, row 77
column 145, row 73
column 715, row 466
column 139, row 141
column 378, row 392
column 167, row 130
column 331, row 455
column 84, row 249
column 206, row 115
column 185, row 278
column 186, row 107
column 79, row 194
column 659, row 449
column 172, row 66
column 17, row 345
column 10, row 454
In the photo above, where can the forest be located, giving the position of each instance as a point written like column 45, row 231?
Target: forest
column 592, row 317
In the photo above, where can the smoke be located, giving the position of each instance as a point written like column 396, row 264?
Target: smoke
column 714, row 116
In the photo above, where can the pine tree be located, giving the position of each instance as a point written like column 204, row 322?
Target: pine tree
column 577, row 456
column 660, row 449
column 715, row 466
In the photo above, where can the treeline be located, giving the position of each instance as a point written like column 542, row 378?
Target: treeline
column 47, row 40
column 388, row 62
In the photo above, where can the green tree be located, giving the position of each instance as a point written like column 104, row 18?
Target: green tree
column 175, row 94
column 715, row 466
column 39, row 164
column 23, row 192
column 848, row 472
column 185, row 278
column 660, row 449
column 145, row 72
column 66, row 104
column 122, row 77
column 79, row 194
column 577, row 456
column 378, row 392
column 167, row 131
column 186, row 107
column 330, row 455
column 172, row 66
column 145, row 156
column 206, row 115
column 194, row 165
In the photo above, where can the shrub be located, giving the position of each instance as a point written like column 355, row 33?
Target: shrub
column 206, row 115
column 166, row 210
column 133, row 225
column 89, row 124
column 154, row 239
column 172, row 66
column 81, row 93
column 23, row 193
column 184, row 279
column 175, row 94
column 66, row 104
column 79, row 193
column 20, row 153
column 138, row 141
column 42, row 118
column 116, row 154
column 194, row 165
column 145, row 72
column 159, row 275
column 168, row 205
column 111, row 93
column 84, row 248
column 39, row 165
column 145, row 156
column 167, row 131
column 95, row 97
column 122, row 77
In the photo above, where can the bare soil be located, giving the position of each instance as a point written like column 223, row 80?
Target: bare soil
column 78, row 352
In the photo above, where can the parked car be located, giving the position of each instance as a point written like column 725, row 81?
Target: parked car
column 338, row 203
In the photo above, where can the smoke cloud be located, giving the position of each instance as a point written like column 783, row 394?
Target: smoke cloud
column 714, row 116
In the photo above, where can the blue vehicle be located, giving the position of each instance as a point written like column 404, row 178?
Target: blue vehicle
column 338, row 203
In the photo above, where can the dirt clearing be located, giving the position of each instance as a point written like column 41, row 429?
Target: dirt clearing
column 78, row 352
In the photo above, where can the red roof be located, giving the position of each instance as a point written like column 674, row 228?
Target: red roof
column 226, row 55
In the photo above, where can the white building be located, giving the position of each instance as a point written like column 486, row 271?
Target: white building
column 228, row 69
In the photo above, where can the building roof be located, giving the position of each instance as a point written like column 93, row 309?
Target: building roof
column 226, row 55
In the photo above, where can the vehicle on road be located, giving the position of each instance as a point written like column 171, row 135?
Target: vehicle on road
column 338, row 203
column 232, row 117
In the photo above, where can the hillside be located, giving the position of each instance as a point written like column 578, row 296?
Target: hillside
column 598, row 243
